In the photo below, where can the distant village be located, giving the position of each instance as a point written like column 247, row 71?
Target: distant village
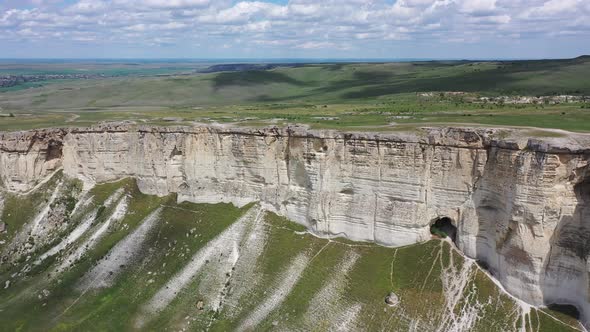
column 512, row 100
column 13, row 80
column 551, row 100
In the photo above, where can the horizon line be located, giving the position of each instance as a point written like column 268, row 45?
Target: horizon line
column 355, row 59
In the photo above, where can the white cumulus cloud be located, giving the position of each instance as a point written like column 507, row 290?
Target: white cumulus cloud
column 297, row 24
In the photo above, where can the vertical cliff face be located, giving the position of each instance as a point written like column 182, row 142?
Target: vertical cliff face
column 521, row 207
column 28, row 157
column 528, row 221
column 385, row 189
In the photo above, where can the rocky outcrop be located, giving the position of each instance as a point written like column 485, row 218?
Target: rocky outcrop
column 520, row 205
column 27, row 157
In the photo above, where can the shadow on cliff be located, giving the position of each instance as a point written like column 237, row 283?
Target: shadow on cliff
column 563, row 280
column 493, row 204
column 566, row 264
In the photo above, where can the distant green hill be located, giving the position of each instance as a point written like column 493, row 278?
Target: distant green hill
column 351, row 94
column 328, row 83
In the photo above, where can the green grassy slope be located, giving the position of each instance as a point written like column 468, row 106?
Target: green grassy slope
column 217, row 267
column 324, row 83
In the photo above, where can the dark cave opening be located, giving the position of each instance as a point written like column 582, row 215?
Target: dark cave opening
column 54, row 150
column 444, row 227
column 566, row 309
column 484, row 265
column 582, row 190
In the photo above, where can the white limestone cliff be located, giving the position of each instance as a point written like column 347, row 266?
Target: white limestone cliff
column 521, row 206
column 28, row 157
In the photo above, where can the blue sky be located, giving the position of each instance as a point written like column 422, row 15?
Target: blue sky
column 294, row 29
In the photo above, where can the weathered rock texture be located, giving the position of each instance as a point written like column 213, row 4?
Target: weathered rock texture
column 520, row 206
column 28, row 157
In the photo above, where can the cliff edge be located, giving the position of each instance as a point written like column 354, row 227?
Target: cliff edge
column 521, row 205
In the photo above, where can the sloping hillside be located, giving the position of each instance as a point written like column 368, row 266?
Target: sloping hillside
column 111, row 258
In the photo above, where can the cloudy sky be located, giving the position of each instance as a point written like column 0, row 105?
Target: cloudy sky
column 294, row 29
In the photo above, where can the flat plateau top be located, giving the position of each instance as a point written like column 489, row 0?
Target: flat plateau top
column 551, row 141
